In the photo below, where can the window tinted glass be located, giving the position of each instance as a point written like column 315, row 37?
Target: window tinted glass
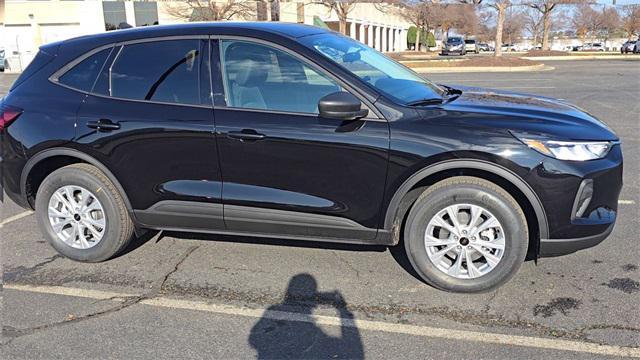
column 163, row 71
column 83, row 75
column 385, row 74
column 261, row 77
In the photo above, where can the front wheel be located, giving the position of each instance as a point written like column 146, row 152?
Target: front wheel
column 82, row 214
column 466, row 234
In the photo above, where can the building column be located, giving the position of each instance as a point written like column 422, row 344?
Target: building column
column 403, row 39
column 396, row 40
column 361, row 34
column 383, row 39
column 352, row 30
column 378, row 35
column 370, row 35
column 129, row 13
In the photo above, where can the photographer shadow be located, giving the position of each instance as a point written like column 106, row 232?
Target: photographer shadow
column 278, row 336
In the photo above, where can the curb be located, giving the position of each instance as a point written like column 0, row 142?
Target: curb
column 465, row 69
column 584, row 57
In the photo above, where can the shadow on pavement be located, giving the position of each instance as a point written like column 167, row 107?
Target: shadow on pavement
column 288, row 339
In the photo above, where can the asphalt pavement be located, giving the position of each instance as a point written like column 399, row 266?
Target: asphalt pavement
column 177, row 295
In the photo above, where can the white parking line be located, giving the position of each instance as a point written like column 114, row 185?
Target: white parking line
column 626, row 202
column 414, row 330
column 15, row 217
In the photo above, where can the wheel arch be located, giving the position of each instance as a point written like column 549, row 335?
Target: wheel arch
column 408, row 192
column 64, row 157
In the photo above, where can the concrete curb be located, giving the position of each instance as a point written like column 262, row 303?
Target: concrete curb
column 465, row 69
column 584, row 57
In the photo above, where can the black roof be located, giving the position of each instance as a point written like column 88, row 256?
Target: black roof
column 290, row 30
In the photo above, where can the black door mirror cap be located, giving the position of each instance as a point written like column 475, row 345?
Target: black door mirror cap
column 341, row 105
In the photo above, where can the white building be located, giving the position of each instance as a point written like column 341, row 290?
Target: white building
column 27, row 24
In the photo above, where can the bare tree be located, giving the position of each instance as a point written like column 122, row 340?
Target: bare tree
column 585, row 21
column 514, row 25
column 546, row 8
column 533, row 24
column 501, row 7
column 342, row 8
column 609, row 23
column 631, row 20
column 210, row 10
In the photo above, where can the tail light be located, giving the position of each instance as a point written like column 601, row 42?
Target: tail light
column 8, row 114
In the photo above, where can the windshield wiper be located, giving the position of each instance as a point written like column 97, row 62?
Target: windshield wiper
column 425, row 102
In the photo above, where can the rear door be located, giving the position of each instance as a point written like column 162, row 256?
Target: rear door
column 149, row 119
column 286, row 170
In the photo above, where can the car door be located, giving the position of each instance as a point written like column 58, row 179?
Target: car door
column 286, row 170
column 149, row 119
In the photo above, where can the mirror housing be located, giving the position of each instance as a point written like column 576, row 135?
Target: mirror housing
column 341, row 105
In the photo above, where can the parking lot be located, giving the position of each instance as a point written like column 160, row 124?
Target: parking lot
column 205, row 296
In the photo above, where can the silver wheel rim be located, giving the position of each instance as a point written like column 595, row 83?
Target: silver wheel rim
column 77, row 217
column 464, row 241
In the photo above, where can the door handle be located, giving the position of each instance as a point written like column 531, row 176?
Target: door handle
column 103, row 125
column 246, row 134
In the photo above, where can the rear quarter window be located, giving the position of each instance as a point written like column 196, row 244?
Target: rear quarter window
column 83, row 75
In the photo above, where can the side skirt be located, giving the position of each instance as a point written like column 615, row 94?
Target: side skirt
column 187, row 216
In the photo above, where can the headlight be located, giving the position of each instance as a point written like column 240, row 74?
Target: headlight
column 568, row 150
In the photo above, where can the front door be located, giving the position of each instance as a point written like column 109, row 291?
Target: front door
column 286, row 170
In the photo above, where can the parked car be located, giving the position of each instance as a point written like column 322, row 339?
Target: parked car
column 2, row 59
column 628, row 46
column 470, row 45
column 485, row 47
column 296, row 132
column 509, row 47
column 577, row 48
column 454, row 45
column 593, row 47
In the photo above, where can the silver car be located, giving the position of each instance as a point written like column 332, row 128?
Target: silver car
column 454, row 45
column 470, row 45
column 628, row 46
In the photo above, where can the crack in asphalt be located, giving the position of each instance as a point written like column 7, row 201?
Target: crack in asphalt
column 467, row 317
column 11, row 333
column 347, row 263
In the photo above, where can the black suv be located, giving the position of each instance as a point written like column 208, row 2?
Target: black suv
column 296, row 132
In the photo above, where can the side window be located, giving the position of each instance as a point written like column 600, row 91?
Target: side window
column 257, row 76
column 83, row 75
column 163, row 71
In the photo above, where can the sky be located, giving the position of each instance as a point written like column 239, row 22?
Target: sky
column 619, row 2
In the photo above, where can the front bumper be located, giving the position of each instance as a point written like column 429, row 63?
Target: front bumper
column 573, row 224
column 558, row 247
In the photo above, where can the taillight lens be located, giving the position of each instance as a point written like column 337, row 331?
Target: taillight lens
column 8, row 114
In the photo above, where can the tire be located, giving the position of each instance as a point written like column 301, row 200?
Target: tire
column 472, row 192
column 117, row 229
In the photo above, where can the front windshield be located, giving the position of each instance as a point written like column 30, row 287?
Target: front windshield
column 386, row 75
column 454, row 40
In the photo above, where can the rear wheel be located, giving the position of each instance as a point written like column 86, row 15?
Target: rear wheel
column 82, row 214
column 466, row 234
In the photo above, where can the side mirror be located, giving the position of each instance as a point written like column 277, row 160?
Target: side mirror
column 341, row 105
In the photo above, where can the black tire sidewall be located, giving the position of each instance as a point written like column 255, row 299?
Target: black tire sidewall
column 109, row 244
column 516, row 236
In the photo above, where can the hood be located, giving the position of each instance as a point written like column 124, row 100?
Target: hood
column 532, row 113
